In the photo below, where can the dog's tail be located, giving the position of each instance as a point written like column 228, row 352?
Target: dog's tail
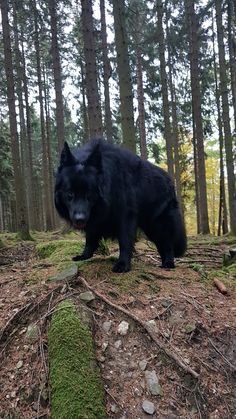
column 180, row 244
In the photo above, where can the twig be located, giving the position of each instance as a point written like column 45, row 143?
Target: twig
column 149, row 330
column 233, row 367
column 113, row 398
column 5, row 332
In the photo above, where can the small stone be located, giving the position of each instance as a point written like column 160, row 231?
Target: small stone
column 19, row 364
column 190, row 327
column 153, row 383
column 166, row 302
column 114, row 408
column 143, row 364
column 123, row 328
column 67, row 274
column 101, row 358
column 104, row 346
column 32, row 332
column 148, row 407
column 106, row 326
column 151, row 323
column 118, row 344
column 87, row 296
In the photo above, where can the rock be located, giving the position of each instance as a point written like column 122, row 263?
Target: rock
column 87, row 296
column 148, row 407
column 166, row 302
column 151, row 323
column 104, row 346
column 67, row 274
column 123, row 328
column 32, row 332
column 114, row 408
column 118, row 344
column 229, row 257
column 143, row 364
column 190, row 327
column 106, row 326
column 19, row 364
column 153, row 383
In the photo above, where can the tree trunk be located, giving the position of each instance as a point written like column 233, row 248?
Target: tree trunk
column 22, row 212
column 45, row 169
column 124, row 74
column 197, row 116
column 57, row 75
column 232, row 55
column 94, row 107
column 106, row 73
column 226, row 118
column 141, row 109
column 164, row 90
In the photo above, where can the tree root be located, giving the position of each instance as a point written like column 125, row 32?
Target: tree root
column 148, row 329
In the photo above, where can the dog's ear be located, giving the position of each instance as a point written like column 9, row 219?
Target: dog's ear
column 67, row 158
column 94, row 159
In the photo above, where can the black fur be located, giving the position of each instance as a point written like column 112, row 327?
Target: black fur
column 109, row 192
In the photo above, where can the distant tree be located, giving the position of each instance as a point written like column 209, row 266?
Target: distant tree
column 21, row 204
column 91, row 75
column 197, row 115
column 57, row 73
column 226, row 118
column 124, row 76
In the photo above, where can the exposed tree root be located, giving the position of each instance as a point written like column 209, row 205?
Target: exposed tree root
column 148, row 329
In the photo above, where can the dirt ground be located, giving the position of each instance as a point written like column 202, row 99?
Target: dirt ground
column 190, row 320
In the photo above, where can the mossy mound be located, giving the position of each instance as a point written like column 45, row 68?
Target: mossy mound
column 59, row 252
column 76, row 386
column 227, row 275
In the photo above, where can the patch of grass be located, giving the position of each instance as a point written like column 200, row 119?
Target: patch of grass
column 227, row 275
column 24, row 236
column 1, row 244
column 76, row 386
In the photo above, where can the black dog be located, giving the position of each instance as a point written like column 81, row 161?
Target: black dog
column 109, row 192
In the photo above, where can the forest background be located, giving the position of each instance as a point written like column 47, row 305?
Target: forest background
column 158, row 77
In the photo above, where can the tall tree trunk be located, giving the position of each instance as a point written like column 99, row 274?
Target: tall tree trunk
column 106, row 73
column 226, row 118
column 45, row 170
column 232, row 55
column 223, row 216
column 94, row 107
column 57, row 75
column 21, row 205
column 164, row 89
column 197, row 115
column 124, row 74
column 34, row 216
column 84, row 106
column 141, row 109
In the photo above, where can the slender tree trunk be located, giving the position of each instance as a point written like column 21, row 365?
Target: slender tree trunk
column 197, row 116
column 86, row 134
column 22, row 213
column 57, row 75
column 226, row 118
column 164, row 89
column 223, row 217
column 141, row 109
column 124, row 74
column 94, row 107
column 106, row 73
column 45, row 170
column 232, row 55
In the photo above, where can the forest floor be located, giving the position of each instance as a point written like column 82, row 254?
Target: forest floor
column 192, row 332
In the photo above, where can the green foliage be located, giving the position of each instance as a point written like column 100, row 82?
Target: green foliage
column 76, row 387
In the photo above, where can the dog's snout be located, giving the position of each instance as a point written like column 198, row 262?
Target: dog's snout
column 79, row 217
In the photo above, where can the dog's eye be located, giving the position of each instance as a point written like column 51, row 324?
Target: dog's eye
column 70, row 196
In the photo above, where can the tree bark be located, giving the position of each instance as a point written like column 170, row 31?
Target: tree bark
column 21, row 205
column 226, row 118
column 141, row 108
column 106, row 73
column 124, row 74
column 197, row 115
column 232, row 55
column 91, row 78
column 164, row 89
column 57, row 75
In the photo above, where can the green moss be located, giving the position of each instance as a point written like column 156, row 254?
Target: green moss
column 59, row 252
column 1, row 244
column 76, row 386
column 227, row 275
column 24, row 236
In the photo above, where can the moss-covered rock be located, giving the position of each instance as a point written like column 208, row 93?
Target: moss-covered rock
column 76, row 386
column 59, row 252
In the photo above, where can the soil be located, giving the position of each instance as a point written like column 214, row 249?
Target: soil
column 190, row 318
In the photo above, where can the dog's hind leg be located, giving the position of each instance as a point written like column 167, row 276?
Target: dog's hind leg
column 91, row 245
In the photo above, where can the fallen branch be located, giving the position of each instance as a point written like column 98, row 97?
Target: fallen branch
column 145, row 326
column 233, row 367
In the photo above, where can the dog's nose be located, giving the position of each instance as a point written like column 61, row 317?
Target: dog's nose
column 79, row 217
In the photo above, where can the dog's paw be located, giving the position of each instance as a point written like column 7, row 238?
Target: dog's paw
column 79, row 257
column 121, row 266
column 168, row 265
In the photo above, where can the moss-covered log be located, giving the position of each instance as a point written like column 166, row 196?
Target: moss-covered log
column 76, row 386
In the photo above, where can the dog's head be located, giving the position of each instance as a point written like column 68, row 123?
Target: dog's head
column 78, row 188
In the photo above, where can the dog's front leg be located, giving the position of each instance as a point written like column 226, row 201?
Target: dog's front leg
column 126, row 238
column 91, row 245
